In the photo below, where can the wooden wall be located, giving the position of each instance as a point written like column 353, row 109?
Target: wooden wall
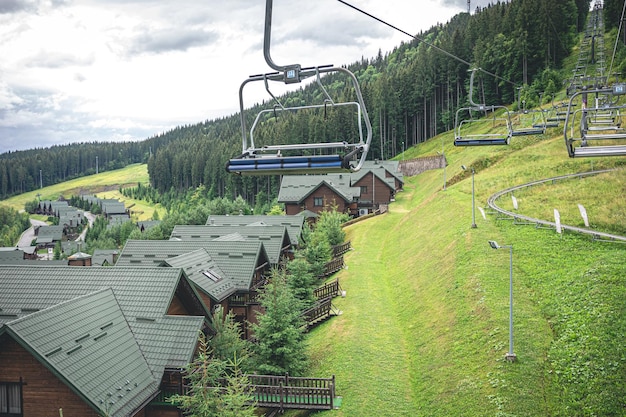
column 44, row 394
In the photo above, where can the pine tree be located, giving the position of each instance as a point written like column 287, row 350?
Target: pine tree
column 227, row 342
column 280, row 348
column 217, row 388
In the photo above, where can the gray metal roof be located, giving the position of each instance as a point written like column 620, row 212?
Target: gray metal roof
column 275, row 238
column 294, row 224
column 390, row 181
column 87, row 342
column 295, row 188
column 238, row 259
column 141, row 292
column 206, row 274
column 167, row 342
column 54, row 232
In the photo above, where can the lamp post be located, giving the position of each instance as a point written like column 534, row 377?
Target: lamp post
column 510, row 356
column 473, row 200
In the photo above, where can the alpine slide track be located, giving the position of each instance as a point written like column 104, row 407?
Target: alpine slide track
column 521, row 219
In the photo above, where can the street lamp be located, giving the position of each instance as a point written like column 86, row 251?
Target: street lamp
column 510, row 356
column 473, row 200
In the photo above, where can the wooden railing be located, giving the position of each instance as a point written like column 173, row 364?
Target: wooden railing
column 286, row 392
column 333, row 266
column 321, row 310
column 330, row 289
column 339, row 250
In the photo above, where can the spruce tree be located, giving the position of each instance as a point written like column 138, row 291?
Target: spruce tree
column 280, row 348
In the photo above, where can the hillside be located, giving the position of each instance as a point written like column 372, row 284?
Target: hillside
column 424, row 328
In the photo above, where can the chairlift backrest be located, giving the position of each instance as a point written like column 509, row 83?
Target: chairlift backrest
column 290, row 158
column 597, row 129
column 502, row 124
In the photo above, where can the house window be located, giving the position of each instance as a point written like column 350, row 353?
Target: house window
column 363, row 189
column 10, row 399
column 211, row 275
column 318, row 201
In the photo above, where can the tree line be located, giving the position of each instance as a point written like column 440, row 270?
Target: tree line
column 411, row 94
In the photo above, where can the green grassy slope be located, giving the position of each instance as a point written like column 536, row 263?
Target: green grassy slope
column 424, row 328
column 105, row 185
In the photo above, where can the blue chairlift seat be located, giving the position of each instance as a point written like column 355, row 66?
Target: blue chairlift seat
column 296, row 158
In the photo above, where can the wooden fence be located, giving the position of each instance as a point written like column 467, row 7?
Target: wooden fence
column 333, row 266
column 330, row 289
column 339, row 250
column 318, row 312
column 285, row 392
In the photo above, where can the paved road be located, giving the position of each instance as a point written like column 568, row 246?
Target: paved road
column 90, row 217
column 29, row 234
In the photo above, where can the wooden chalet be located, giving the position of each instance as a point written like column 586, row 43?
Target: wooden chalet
column 49, row 207
column 13, row 253
column 147, row 224
column 112, row 207
column 375, row 188
column 104, row 257
column 386, row 169
column 317, row 193
column 95, row 341
column 48, row 236
column 228, row 273
column 358, row 193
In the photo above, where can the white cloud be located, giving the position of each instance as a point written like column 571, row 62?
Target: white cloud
column 86, row 70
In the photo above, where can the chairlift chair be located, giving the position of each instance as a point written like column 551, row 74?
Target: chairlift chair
column 597, row 130
column 500, row 130
column 528, row 121
column 298, row 158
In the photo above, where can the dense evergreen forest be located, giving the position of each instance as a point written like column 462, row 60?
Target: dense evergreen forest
column 411, row 94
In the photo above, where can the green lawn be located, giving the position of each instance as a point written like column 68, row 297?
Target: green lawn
column 104, row 184
column 424, row 328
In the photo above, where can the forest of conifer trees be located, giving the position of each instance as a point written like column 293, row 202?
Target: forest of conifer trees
column 411, row 94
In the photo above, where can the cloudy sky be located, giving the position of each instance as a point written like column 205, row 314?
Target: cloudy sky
column 112, row 70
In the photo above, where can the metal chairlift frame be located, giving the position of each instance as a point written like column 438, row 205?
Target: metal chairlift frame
column 483, row 138
column 549, row 122
column 268, row 159
column 534, row 127
column 581, row 133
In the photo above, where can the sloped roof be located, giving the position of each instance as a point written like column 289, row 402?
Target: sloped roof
column 218, row 285
column 152, row 252
column 113, row 207
column 294, row 224
column 104, row 256
column 10, row 254
column 389, row 181
column 141, row 292
column 237, row 259
column 274, row 238
column 167, row 342
column 54, row 232
column 295, row 188
column 87, row 342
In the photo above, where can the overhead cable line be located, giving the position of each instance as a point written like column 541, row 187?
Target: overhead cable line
column 423, row 41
